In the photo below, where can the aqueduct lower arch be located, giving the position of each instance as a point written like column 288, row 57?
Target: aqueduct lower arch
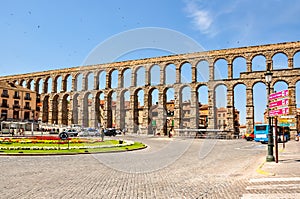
column 67, row 106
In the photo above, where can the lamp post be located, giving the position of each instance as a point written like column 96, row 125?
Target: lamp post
column 270, row 156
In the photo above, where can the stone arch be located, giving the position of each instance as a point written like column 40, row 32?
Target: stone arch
column 220, row 69
column 67, row 83
column 39, row 85
column 57, row 83
column 240, row 105
column 280, row 60
column 258, row 62
column 202, row 70
column 111, row 108
column 88, row 110
column 48, row 84
column 55, row 109
column 185, row 106
column 75, row 109
column 113, row 78
column 239, row 65
column 101, row 80
column 99, row 108
column 296, row 59
column 79, row 81
column 65, row 118
column 154, row 75
column 220, row 105
column 138, row 107
column 89, row 81
column 125, row 110
column 45, row 109
column 259, row 93
column 126, row 77
column 185, row 70
column 170, row 74
column 140, row 78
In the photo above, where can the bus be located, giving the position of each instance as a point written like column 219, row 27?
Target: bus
column 261, row 132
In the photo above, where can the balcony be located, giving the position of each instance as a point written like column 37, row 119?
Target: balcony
column 16, row 106
column 27, row 107
column 4, row 105
column 4, row 95
column 16, row 97
column 27, row 98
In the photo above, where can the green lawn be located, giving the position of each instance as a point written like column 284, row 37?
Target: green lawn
column 46, row 148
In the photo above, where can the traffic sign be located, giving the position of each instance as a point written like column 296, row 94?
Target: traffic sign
column 283, row 102
column 280, row 111
column 280, row 94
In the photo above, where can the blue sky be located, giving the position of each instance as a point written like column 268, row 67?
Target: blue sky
column 39, row 35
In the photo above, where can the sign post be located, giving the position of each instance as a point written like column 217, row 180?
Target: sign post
column 279, row 105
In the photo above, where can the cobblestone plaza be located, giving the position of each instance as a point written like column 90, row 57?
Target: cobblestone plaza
column 168, row 168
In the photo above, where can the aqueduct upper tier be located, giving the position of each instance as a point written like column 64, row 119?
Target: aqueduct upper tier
column 134, row 94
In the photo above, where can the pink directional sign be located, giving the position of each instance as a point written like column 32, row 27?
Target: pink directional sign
column 281, row 111
column 279, row 94
column 283, row 102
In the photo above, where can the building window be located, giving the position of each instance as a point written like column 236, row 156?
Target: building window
column 16, row 95
column 27, row 106
column 4, row 93
column 4, row 103
column 27, row 96
column 3, row 114
column 223, row 114
column 16, row 104
column 16, row 114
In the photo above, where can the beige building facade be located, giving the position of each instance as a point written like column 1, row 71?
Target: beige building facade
column 17, row 103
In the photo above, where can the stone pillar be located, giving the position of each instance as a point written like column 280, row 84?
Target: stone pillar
column 74, row 84
column 290, row 62
column 92, row 114
column 50, row 120
column 146, row 118
column 135, row 114
column 230, row 111
column 177, row 109
column 133, row 78
column 120, row 82
column 105, row 111
column 230, row 70
column 194, row 73
column 64, row 85
column 70, row 116
column 45, row 87
column 54, row 85
column 249, row 65
column 84, row 82
column 161, row 119
column 211, row 71
column 118, row 110
column 162, row 78
column 293, row 109
column 194, row 112
column 249, row 110
column 36, row 86
column 59, row 112
column 147, row 76
column 178, row 75
column 96, row 82
column 211, row 109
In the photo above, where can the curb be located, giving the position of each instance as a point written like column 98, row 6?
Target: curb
column 266, row 173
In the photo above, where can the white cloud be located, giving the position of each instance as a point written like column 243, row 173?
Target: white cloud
column 201, row 18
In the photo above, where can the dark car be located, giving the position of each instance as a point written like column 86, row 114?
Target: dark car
column 110, row 132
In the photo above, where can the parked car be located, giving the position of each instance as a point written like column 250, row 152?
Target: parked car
column 110, row 132
column 89, row 132
column 249, row 136
column 71, row 132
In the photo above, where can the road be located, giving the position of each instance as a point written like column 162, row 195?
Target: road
column 167, row 168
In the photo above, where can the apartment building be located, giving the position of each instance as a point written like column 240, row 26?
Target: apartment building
column 17, row 103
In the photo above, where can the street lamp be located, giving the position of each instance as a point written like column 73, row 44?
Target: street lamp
column 270, row 156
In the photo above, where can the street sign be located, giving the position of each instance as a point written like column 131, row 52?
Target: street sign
column 280, row 111
column 283, row 102
column 286, row 120
column 280, row 94
column 287, row 116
